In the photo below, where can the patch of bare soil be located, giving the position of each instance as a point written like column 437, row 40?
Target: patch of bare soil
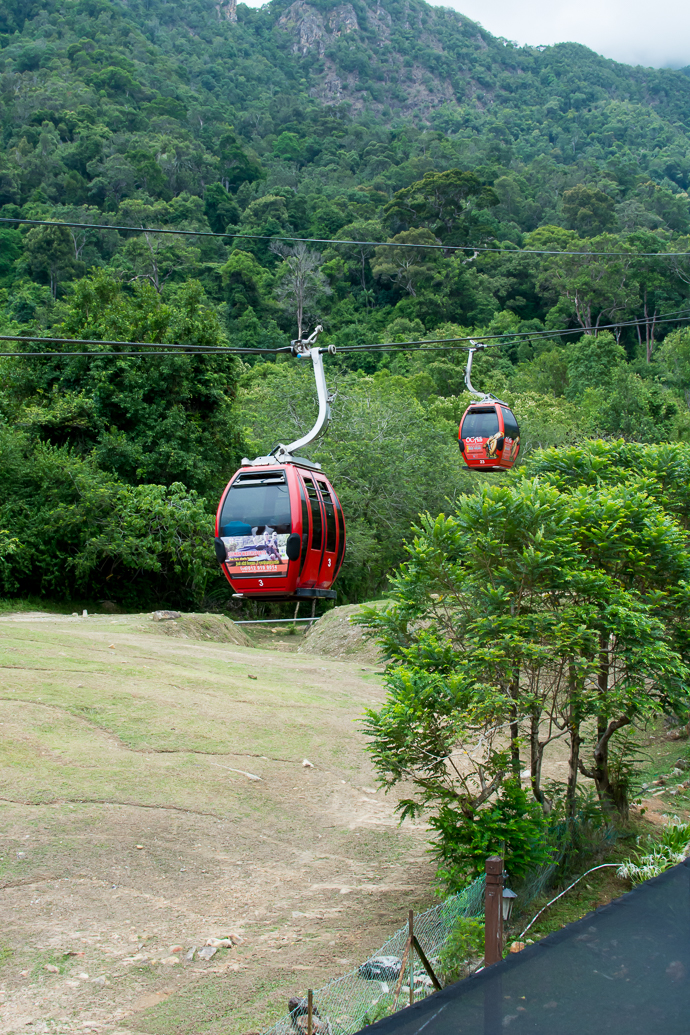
column 153, row 796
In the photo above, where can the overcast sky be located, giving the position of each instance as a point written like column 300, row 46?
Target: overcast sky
column 626, row 30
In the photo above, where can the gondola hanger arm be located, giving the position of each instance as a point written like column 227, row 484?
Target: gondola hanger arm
column 475, row 347
column 305, row 349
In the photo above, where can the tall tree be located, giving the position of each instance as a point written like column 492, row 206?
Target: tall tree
column 156, row 419
column 363, row 232
column 236, row 166
column 521, row 617
column 592, row 286
column 588, row 210
column 407, row 265
column 441, row 201
column 300, row 284
column 49, row 250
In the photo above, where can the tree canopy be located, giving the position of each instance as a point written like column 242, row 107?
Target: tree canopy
column 549, row 608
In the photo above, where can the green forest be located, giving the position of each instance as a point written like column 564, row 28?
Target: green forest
column 395, row 122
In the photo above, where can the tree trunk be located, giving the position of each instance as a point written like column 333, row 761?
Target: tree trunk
column 651, row 336
column 514, row 690
column 300, row 313
column 600, row 768
column 613, row 797
column 573, row 769
column 575, row 742
column 536, row 756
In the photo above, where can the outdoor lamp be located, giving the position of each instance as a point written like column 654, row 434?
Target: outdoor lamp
column 508, row 900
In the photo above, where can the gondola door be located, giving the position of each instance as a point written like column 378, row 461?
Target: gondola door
column 259, row 528
column 330, row 545
column 310, row 575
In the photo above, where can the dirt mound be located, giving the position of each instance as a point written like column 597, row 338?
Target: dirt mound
column 196, row 627
column 336, row 636
column 182, row 626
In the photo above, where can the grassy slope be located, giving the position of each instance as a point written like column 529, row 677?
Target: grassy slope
column 114, row 738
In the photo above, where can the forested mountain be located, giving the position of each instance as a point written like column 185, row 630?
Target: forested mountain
column 388, row 121
column 367, row 89
column 308, row 118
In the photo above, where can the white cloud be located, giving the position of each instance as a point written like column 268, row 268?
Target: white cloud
column 626, row 30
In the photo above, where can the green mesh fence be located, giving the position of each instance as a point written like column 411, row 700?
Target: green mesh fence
column 347, row 1003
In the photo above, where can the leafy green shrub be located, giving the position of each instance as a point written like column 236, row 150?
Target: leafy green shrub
column 465, row 943
column 73, row 530
column 383, row 1007
column 511, row 825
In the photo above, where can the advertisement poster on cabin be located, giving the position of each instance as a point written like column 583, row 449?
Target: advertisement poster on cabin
column 257, row 554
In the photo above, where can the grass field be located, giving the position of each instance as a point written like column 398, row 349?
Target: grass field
column 154, row 795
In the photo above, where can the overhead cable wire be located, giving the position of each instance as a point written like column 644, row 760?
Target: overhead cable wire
column 331, row 240
column 99, row 341
column 178, row 348
column 188, row 352
column 426, row 344
column 59, row 355
column 674, row 317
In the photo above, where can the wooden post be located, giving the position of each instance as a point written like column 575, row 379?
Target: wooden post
column 427, row 966
column 310, row 1011
column 411, row 940
column 493, row 911
column 412, row 945
column 401, row 975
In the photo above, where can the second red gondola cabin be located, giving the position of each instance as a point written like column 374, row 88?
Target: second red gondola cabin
column 280, row 532
column 489, row 436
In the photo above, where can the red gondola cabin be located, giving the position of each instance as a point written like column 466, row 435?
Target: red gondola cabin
column 280, row 532
column 489, row 436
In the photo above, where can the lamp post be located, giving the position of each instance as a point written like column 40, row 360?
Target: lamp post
column 508, row 902
column 498, row 908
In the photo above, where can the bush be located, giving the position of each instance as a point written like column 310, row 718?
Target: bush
column 511, row 825
column 70, row 530
column 465, row 943
column 383, row 1007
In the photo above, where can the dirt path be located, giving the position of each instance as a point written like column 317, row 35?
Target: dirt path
column 152, row 795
